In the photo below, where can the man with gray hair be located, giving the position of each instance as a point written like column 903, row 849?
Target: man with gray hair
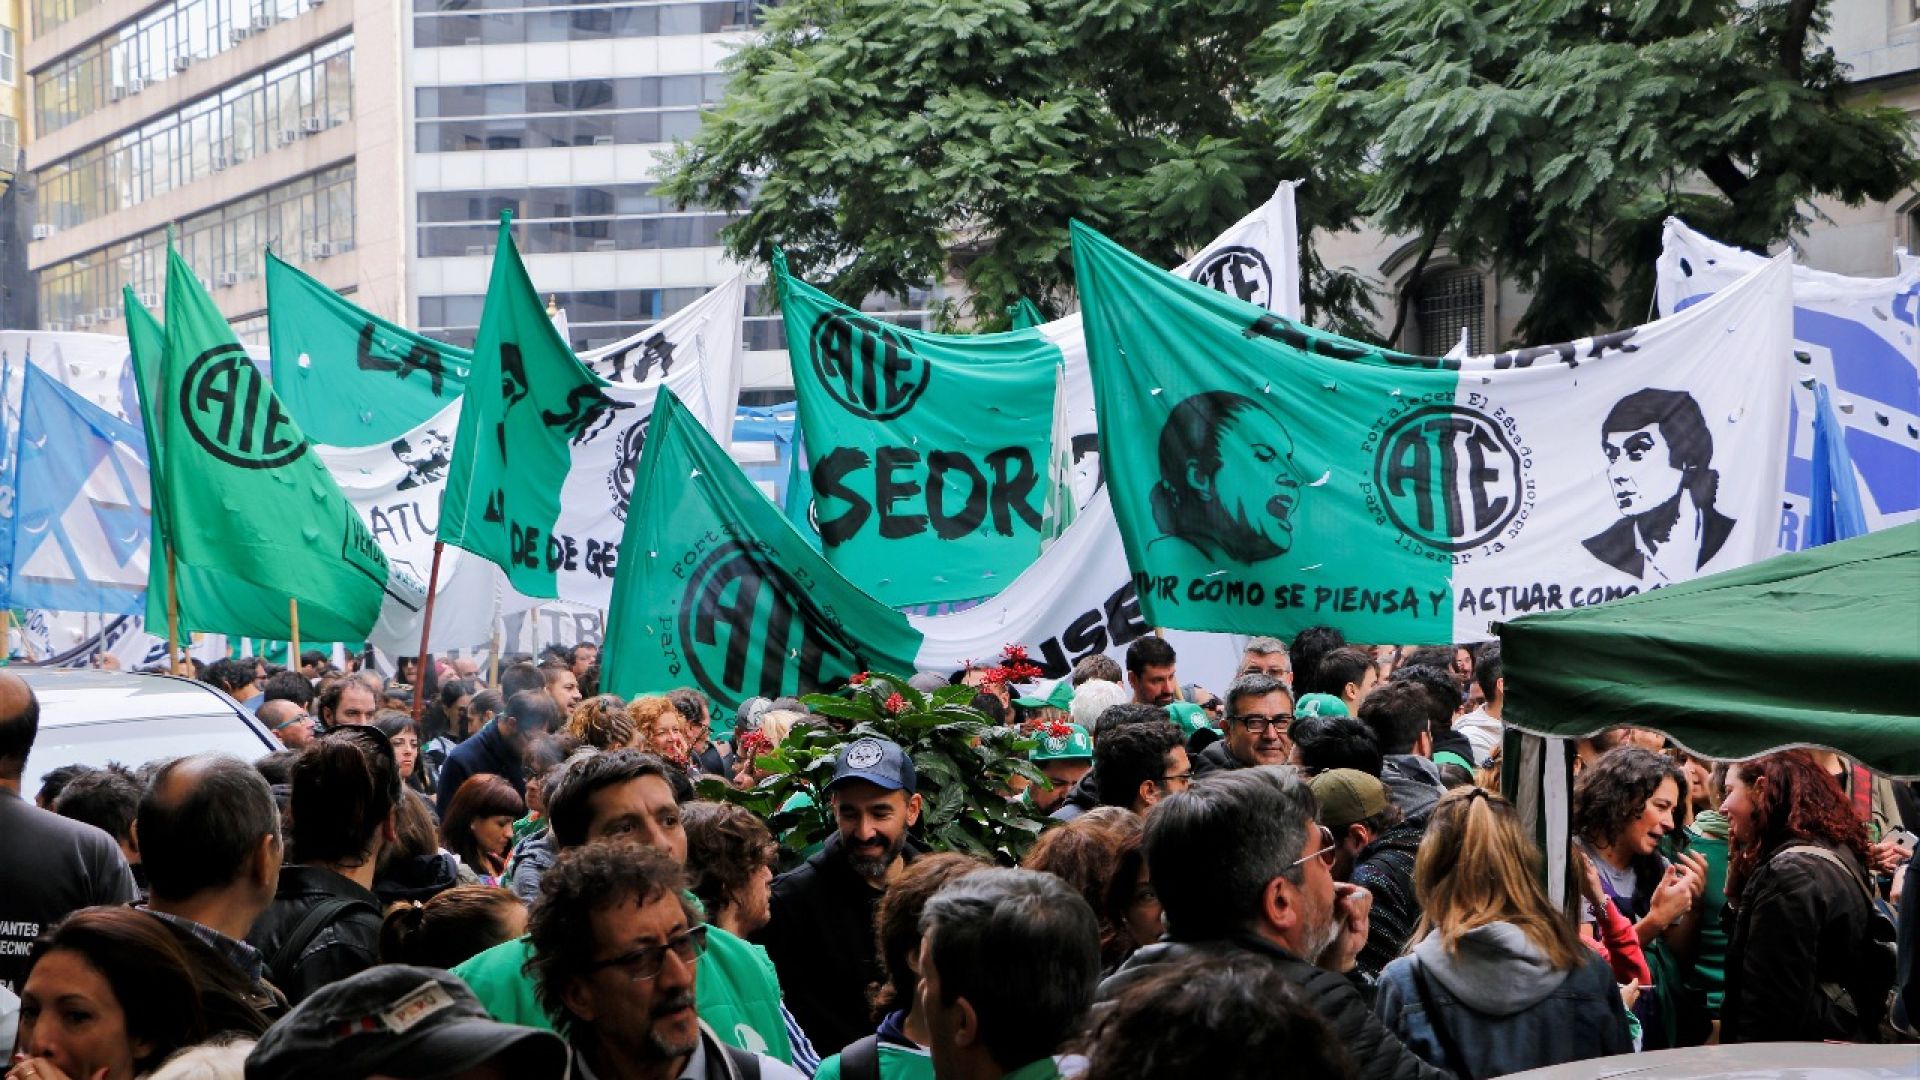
column 1008, row 964
column 1259, row 716
column 1266, row 656
column 208, row 830
column 1242, row 866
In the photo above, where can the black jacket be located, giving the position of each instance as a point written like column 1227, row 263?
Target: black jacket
column 1802, row 922
column 346, row 943
column 1376, row 1052
column 418, row 877
column 485, row 752
column 820, row 937
column 1216, row 758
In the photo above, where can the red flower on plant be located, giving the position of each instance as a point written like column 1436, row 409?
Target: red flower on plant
column 896, row 704
column 754, row 744
column 861, row 678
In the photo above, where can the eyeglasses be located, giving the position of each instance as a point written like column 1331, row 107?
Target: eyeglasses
column 297, row 719
column 645, row 962
column 1183, row 777
column 1325, row 854
column 1258, row 724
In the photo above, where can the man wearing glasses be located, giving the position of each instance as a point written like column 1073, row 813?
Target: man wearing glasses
column 290, row 723
column 616, row 950
column 1259, row 712
column 1140, row 764
column 1243, row 867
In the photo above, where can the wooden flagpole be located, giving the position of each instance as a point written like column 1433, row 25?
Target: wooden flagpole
column 423, row 658
column 173, row 613
column 293, row 646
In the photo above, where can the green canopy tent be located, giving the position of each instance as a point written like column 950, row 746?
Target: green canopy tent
column 1815, row 648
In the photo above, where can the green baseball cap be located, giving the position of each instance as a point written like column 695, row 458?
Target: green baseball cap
column 1076, row 743
column 1319, row 705
column 1060, row 697
column 1346, row 796
column 1448, row 757
column 1189, row 718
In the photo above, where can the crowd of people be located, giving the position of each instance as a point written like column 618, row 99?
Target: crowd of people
column 1314, row 866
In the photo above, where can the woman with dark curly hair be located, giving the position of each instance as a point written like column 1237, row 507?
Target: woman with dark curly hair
column 1806, row 961
column 897, row 1050
column 1623, row 806
column 601, row 722
column 730, row 858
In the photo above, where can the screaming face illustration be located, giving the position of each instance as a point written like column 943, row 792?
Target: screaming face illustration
column 1658, row 456
column 1227, row 486
column 426, row 458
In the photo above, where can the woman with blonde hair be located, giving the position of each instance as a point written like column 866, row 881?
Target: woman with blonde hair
column 602, row 722
column 1496, row 979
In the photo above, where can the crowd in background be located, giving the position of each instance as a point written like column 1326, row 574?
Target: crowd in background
column 1313, row 864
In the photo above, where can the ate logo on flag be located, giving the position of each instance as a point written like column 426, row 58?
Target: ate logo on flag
column 626, row 465
column 869, row 367
column 1238, row 271
column 231, row 412
column 1451, row 477
column 742, row 632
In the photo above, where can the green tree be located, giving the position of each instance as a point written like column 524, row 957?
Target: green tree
column 888, row 143
column 1550, row 138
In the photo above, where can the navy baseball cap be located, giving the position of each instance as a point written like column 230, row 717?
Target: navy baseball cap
column 876, row 761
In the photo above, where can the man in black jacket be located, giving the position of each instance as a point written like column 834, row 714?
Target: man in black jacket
column 1242, row 866
column 1259, row 715
column 209, row 832
column 324, row 923
column 498, row 747
column 821, row 932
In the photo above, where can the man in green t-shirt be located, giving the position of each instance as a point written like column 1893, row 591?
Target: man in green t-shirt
column 1009, row 960
column 624, row 797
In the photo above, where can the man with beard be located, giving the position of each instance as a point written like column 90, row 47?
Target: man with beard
column 1259, row 715
column 821, row 934
column 1243, row 867
column 1228, row 488
column 616, row 948
column 1658, row 451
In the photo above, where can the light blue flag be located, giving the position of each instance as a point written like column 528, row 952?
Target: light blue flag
column 82, row 521
column 1834, row 510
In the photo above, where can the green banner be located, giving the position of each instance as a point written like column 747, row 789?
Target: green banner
column 347, row 376
column 927, row 452
column 528, row 400
column 719, row 590
column 246, row 502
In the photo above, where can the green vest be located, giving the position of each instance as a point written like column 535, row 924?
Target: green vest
column 735, row 991
column 896, row 1063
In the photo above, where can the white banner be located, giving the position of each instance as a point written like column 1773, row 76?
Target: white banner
column 1077, row 599
column 1857, row 335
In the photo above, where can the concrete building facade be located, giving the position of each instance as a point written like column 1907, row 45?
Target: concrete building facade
column 244, row 123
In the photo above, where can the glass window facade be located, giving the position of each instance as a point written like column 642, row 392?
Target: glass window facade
column 274, row 109
column 520, row 22
column 614, row 217
column 147, row 50
column 581, row 112
column 9, row 144
column 48, row 14
column 9, row 56
column 304, row 220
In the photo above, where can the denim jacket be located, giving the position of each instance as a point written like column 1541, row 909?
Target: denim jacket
column 1501, row 1008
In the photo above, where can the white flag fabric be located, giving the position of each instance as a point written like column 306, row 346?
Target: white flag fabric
column 1858, row 336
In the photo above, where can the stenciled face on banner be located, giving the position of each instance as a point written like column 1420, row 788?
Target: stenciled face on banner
column 1451, row 477
column 426, row 456
column 1660, row 478
column 747, row 628
column 234, row 415
column 1228, row 487
column 626, row 465
column 1238, row 270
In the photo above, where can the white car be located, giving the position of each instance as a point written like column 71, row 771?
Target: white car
column 93, row 717
column 1746, row 1061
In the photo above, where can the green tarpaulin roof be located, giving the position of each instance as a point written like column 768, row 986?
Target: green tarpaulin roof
column 1815, row 648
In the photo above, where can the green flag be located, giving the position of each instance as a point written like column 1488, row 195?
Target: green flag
column 347, row 376
column 719, row 590
column 246, row 502
column 1266, row 478
column 928, row 453
column 529, row 400
column 1024, row 314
